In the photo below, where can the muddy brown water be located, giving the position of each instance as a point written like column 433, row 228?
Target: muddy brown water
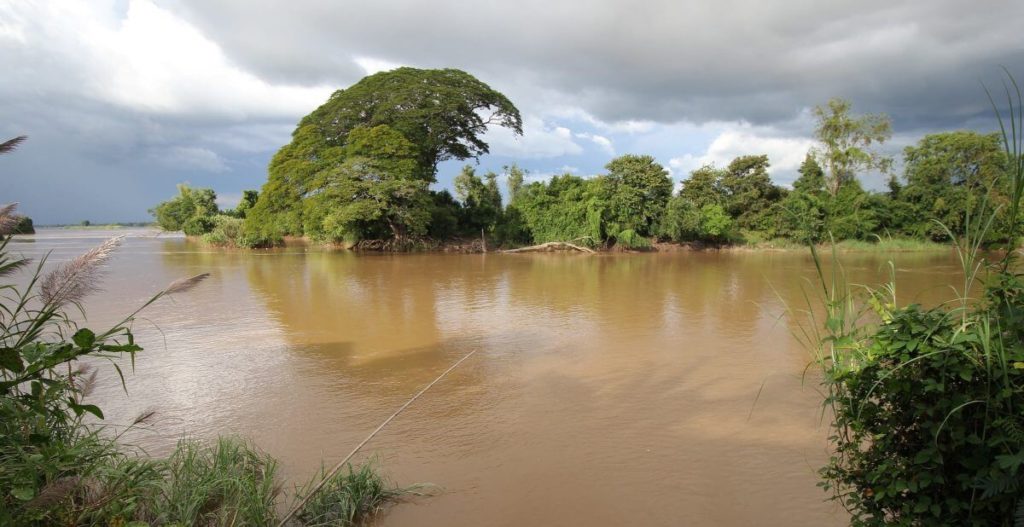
column 607, row 390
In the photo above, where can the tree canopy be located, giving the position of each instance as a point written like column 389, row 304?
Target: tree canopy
column 373, row 193
column 185, row 211
column 638, row 190
column 946, row 174
column 441, row 114
column 360, row 168
column 846, row 142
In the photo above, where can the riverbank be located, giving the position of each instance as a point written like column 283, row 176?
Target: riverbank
column 479, row 246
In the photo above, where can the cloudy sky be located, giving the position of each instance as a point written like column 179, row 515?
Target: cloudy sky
column 123, row 99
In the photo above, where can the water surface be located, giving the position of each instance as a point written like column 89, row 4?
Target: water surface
column 607, row 390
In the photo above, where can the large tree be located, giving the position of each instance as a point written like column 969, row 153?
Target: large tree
column 279, row 208
column 802, row 214
column 703, row 187
column 946, row 176
column 373, row 193
column 481, row 201
column 638, row 189
column 749, row 192
column 442, row 113
column 847, row 142
column 191, row 204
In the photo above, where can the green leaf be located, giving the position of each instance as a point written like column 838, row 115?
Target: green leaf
column 1011, row 462
column 10, row 360
column 84, row 338
column 23, row 493
column 80, row 408
column 93, row 409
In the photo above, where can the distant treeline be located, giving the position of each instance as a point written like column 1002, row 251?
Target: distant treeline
column 360, row 166
column 91, row 225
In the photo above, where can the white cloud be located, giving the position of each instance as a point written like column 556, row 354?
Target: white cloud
column 229, row 201
column 566, row 110
column 540, row 140
column 601, row 141
column 371, row 65
column 147, row 60
column 784, row 153
column 545, row 175
column 195, row 158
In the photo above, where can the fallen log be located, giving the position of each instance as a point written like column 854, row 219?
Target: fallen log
column 551, row 246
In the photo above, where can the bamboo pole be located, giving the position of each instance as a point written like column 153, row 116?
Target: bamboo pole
column 298, row 507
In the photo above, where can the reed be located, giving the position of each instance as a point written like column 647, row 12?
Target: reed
column 347, row 497
column 229, row 482
column 58, row 468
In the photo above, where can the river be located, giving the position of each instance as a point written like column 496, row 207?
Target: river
column 642, row 389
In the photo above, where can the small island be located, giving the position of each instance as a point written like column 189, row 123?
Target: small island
column 359, row 170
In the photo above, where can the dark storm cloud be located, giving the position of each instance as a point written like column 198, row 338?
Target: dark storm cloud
column 665, row 61
column 122, row 99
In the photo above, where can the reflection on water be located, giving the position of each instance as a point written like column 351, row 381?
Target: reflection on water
column 608, row 390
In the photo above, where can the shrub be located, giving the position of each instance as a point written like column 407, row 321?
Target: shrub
column 681, row 221
column 226, row 231
column 930, row 432
column 24, row 226
column 198, row 226
column 927, row 428
column 715, row 223
column 347, row 496
column 629, row 239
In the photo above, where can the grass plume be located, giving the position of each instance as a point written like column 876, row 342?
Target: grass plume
column 72, row 281
column 182, row 285
column 10, row 145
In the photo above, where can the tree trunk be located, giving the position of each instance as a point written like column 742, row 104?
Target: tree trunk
column 551, row 246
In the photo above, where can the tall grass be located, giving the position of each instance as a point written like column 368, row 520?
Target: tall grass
column 58, row 469
column 883, row 244
column 347, row 497
column 925, row 405
column 229, row 482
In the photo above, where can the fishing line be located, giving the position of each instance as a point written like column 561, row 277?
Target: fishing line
column 341, row 463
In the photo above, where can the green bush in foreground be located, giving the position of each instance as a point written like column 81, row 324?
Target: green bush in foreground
column 928, row 423
column 927, row 405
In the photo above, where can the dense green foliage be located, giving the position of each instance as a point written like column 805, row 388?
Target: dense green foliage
column 190, row 205
column 946, row 175
column 928, row 419
column 194, row 211
column 481, row 201
column 566, row 208
column 749, row 194
column 373, row 193
column 846, row 142
column 636, row 191
column 926, row 403
column 359, row 168
column 24, row 226
column 438, row 114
